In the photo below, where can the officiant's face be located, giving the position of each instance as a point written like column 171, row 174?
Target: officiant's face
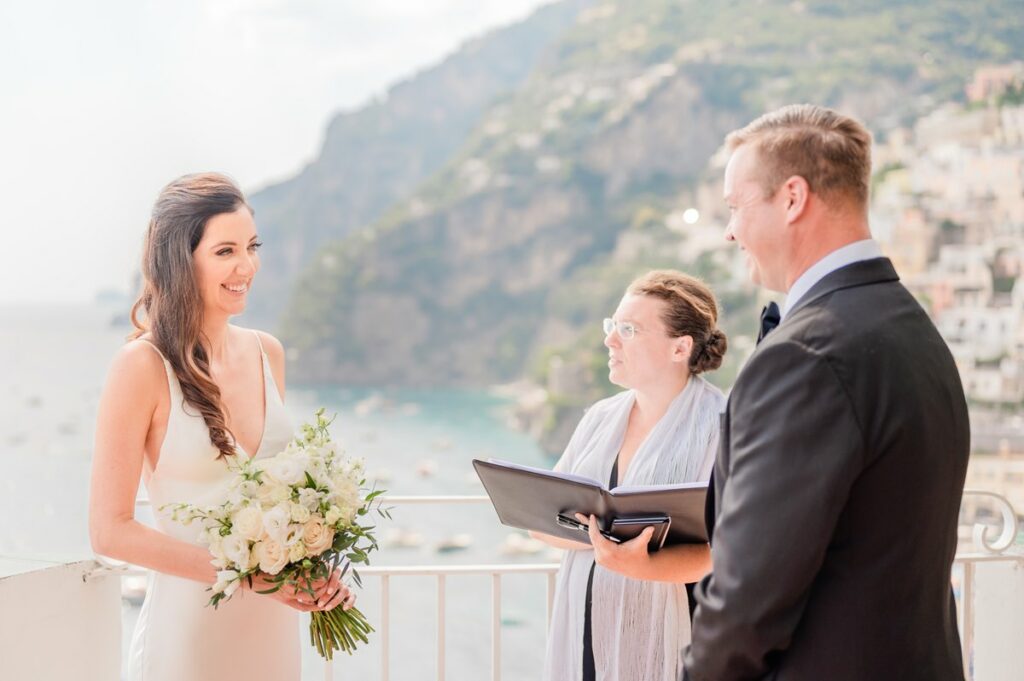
column 651, row 354
column 226, row 260
column 757, row 223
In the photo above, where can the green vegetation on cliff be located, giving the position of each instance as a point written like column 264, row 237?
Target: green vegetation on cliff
column 512, row 242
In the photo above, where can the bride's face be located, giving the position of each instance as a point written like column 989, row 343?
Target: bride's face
column 651, row 355
column 226, row 260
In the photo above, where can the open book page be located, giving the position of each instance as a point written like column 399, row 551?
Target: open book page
column 640, row 489
column 548, row 472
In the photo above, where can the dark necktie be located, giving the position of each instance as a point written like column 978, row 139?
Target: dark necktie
column 770, row 317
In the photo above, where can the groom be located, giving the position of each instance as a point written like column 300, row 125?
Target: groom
column 844, row 444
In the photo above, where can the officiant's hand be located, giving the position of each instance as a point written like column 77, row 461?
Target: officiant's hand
column 627, row 558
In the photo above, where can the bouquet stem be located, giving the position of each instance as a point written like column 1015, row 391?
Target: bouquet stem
column 338, row 629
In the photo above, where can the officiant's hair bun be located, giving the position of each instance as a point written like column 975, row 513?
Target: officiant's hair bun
column 691, row 310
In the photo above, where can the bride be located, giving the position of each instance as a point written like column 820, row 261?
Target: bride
column 189, row 393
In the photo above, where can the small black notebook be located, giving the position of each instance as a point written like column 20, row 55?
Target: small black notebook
column 532, row 498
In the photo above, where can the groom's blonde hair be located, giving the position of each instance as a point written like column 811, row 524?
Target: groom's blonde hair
column 831, row 151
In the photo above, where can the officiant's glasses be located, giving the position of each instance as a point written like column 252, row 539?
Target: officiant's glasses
column 626, row 329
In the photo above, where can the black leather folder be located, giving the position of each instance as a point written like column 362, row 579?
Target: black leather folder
column 532, row 498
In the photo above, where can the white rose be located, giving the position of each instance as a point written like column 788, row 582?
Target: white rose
column 296, row 552
column 273, row 556
column 248, row 522
column 316, row 536
column 287, row 470
column 236, row 550
column 299, row 513
column 275, row 522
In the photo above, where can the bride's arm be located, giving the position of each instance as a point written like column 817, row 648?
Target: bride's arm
column 126, row 409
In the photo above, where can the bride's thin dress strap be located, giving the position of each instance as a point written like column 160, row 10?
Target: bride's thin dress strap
column 268, row 375
column 167, row 365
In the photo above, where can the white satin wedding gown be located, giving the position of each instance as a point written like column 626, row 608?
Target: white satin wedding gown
column 178, row 637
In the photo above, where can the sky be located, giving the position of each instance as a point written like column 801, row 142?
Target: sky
column 101, row 104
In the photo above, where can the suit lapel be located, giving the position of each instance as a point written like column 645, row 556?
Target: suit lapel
column 862, row 273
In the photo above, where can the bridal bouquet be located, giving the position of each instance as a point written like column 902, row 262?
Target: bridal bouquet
column 294, row 518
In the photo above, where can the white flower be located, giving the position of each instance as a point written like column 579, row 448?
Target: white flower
column 275, row 522
column 316, row 536
column 317, row 468
column 272, row 492
column 296, row 552
column 236, row 550
column 249, row 488
column 227, row 582
column 273, row 556
column 287, row 470
column 220, row 559
column 309, row 498
column 299, row 513
column 343, row 514
column 248, row 522
column 293, row 535
column 345, row 492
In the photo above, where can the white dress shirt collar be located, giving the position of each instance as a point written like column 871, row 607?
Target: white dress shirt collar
column 866, row 249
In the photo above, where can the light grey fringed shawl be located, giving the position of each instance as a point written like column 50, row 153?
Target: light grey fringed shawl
column 639, row 628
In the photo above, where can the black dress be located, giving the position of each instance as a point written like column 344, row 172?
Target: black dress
column 589, row 672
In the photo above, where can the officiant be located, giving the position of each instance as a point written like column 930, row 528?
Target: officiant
column 621, row 613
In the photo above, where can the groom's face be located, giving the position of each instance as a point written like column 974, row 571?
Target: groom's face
column 757, row 222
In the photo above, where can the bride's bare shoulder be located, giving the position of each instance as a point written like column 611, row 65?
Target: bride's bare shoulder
column 138, row 361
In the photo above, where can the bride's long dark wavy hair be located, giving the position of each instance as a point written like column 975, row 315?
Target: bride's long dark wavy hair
column 170, row 298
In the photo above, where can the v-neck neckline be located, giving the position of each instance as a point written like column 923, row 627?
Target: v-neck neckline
column 266, row 409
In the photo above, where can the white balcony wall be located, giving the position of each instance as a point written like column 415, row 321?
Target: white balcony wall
column 55, row 624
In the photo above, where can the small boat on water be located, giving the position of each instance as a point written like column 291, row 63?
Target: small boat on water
column 374, row 403
column 442, row 444
column 516, row 544
column 456, row 542
column 401, row 538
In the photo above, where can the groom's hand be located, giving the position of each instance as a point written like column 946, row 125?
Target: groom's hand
column 627, row 558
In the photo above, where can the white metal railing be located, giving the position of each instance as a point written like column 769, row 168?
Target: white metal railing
column 988, row 551
column 442, row 572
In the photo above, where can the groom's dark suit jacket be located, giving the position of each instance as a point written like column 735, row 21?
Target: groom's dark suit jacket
column 836, row 493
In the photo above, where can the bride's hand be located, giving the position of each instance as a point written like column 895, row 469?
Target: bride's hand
column 331, row 593
column 287, row 594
